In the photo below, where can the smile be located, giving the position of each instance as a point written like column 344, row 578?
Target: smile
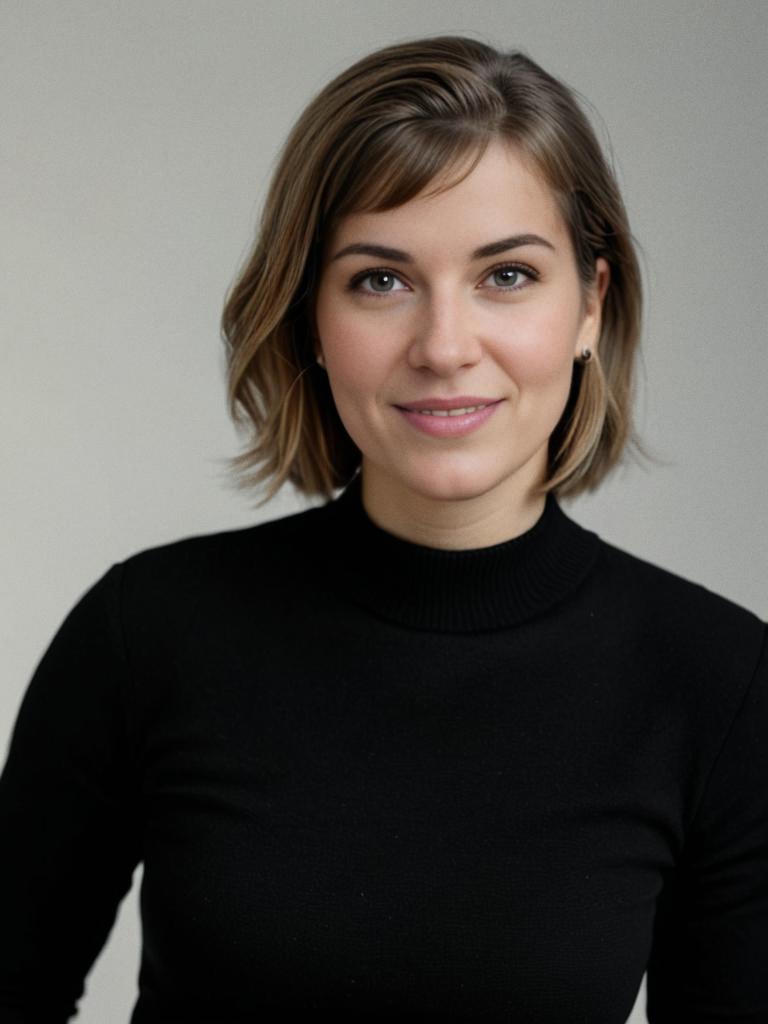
column 451, row 412
column 449, row 422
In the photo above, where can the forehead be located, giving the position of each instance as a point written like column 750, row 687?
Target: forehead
column 503, row 194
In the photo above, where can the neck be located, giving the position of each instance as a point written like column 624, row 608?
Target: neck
column 421, row 587
column 451, row 521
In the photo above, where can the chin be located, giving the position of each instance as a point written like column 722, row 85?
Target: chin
column 472, row 475
column 456, row 483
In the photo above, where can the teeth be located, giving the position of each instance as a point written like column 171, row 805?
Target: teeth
column 452, row 412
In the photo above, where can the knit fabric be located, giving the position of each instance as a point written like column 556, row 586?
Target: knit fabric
column 371, row 780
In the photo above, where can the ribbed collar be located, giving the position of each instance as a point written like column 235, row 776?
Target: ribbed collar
column 453, row 591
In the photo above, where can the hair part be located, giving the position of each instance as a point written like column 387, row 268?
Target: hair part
column 414, row 118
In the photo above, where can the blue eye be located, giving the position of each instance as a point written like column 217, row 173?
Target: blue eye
column 511, row 278
column 382, row 282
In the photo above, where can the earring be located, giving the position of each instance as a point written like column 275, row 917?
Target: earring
column 586, row 355
column 321, row 361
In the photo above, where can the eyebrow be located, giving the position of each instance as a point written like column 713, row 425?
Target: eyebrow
column 384, row 252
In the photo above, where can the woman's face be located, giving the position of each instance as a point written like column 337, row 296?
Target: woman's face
column 471, row 294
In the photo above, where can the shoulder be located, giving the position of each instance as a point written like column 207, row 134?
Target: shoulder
column 210, row 589
column 683, row 620
column 205, row 569
column 643, row 579
column 225, row 548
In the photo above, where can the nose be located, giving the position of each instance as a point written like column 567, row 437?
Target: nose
column 443, row 338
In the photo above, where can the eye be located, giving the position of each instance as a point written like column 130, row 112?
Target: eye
column 381, row 282
column 511, row 277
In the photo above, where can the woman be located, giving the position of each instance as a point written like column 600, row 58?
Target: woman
column 431, row 748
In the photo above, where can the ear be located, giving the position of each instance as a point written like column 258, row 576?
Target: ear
column 589, row 332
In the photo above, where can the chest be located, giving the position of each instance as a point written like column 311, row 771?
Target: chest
column 488, row 837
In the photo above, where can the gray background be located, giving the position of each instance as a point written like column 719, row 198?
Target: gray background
column 138, row 137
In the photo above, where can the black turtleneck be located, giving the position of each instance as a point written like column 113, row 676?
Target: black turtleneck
column 456, row 591
column 371, row 780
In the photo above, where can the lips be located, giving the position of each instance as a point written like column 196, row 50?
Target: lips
column 434, row 404
column 448, row 423
column 463, row 411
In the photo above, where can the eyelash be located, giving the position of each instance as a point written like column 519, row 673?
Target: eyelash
column 522, row 268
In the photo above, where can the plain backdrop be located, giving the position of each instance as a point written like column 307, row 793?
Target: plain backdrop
column 137, row 139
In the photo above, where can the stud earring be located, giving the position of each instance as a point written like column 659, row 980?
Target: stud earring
column 321, row 361
column 586, row 355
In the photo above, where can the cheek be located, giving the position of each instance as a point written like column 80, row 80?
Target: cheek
column 355, row 354
column 542, row 351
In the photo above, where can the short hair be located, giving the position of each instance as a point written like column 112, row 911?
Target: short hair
column 376, row 136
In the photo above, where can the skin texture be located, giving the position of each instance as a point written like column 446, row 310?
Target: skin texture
column 444, row 324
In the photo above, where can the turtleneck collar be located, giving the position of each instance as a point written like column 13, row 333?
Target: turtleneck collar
column 452, row 591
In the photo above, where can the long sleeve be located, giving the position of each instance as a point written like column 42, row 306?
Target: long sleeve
column 710, row 956
column 70, row 838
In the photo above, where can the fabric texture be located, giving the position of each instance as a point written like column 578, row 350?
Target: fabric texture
column 370, row 780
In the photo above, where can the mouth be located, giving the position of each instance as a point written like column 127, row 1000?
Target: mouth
column 460, row 405
column 449, row 423
column 462, row 411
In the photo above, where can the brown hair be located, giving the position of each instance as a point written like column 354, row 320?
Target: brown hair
column 376, row 136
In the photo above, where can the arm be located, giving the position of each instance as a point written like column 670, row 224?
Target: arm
column 68, row 821
column 710, row 955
